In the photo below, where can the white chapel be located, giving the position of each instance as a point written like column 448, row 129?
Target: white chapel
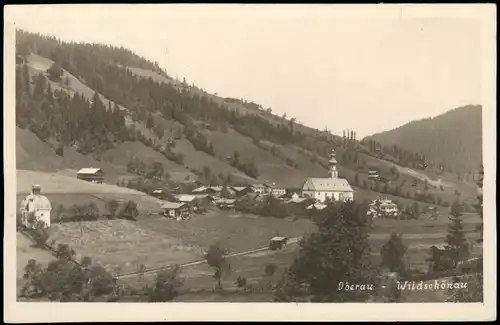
column 36, row 205
column 328, row 187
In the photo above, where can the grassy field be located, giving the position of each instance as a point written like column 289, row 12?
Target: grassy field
column 67, row 190
column 155, row 241
column 121, row 246
column 233, row 231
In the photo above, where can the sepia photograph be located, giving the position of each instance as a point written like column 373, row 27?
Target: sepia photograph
column 301, row 162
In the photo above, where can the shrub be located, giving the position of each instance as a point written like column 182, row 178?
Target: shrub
column 166, row 286
column 270, row 269
column 241, row 282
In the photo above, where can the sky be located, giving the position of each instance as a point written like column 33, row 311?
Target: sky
column 366, row 69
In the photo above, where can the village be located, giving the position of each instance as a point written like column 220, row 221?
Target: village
column 313, row 196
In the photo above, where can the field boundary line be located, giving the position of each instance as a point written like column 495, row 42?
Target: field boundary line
column 201, row 261
column 47, row 247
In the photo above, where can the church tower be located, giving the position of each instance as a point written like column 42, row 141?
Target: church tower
column 332, row 171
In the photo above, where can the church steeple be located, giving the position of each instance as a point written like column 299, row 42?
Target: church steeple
column 332, row 170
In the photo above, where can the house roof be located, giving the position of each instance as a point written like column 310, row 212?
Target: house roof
column 216, row 188
column 200, row 189
column 158, row 191
column 239, row 188
column 296, row 200
column 277, row 238
column 88, row 170
column 327, row 184
column 226, row 201
column 317, row 206
column 259, row 185
column 171, row 205
column 185, row 198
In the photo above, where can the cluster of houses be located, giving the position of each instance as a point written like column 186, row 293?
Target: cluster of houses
column 383, row 208
column 183, row 205
column 313, row 194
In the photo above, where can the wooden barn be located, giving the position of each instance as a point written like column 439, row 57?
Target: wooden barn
column 278, row 243
column 95, row 175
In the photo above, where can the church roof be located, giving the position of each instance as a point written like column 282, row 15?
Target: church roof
column 37, row 202
column 327, row 184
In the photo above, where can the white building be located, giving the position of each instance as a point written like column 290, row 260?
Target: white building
column 35, row 205
column 383, row 208
column 278, row 190
column 322, row 189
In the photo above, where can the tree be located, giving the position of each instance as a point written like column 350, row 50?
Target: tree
column 60, row 150
column 455, row 239
column 63, row 251
column 39, row 230
column 392, row 254
column 129, row 210
column 215, row 257
column 337, row 253
column 270, row 269
column 225, row 193
column 166, row 285
column 55, row 72
column 113, row 207
column 156, row 170
column 474, row 291
column 356, row 179
column 241, row 281
column 236, row 158
column 416, row 210
column 150, row 122
column 32, row 278
column 479, row 205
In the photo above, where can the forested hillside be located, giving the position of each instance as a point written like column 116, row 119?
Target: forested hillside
column 452, row 141
column 125, row 113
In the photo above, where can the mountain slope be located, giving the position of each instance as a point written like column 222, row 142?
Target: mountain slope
column 119, row 108
column 453, row 138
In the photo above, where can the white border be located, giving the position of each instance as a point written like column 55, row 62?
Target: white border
column 52, row 312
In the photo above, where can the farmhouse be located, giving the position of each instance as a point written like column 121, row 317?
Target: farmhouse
column 203, row 190
column 331, row 187
column 158, row 193
column 225, row 203
column 373, row 174
column 186, row 198
column 260, row 188
column 241, row 190
column 95, row 175
column 277, row 190
column 383, row 208
column 175, row 210
column 35, row 207
column 297, row 199
column 210, row 190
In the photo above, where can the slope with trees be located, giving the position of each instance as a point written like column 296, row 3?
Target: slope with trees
column 451, row 141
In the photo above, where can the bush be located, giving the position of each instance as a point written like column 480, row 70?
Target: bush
column 128, row 211
column 166, row 286
column 270, row 269
column 241, row 282
column 113, row 207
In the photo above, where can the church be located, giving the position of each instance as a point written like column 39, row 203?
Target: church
column 35, row 205
column 332, row 186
